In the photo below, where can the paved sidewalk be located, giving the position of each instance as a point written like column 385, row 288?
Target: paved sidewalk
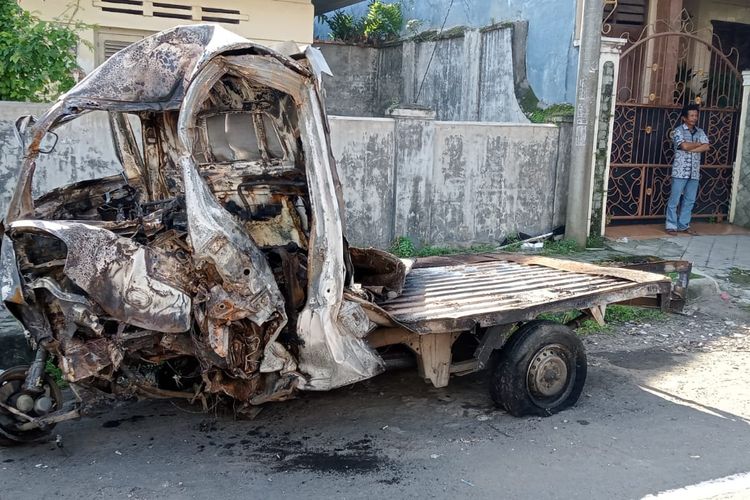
column 714, row 255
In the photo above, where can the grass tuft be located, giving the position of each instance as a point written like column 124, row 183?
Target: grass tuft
column 55, row 372
column 615, row 315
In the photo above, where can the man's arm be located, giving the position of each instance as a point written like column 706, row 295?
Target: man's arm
column 695, row 147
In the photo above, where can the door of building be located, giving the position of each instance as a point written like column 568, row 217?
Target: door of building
column 659, row 74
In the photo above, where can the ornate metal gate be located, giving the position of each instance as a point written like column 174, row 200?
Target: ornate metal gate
column 659, row 74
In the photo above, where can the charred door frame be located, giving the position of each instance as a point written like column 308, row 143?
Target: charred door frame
column 647, row 109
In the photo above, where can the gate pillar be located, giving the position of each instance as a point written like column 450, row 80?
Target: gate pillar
column 609, row 64
column 739, row 211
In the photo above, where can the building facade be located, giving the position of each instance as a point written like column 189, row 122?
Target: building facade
column 114, row 24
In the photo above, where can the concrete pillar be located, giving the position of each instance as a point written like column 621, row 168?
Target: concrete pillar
column 408, row 70
column 609, row 64
column 414, row 158
column 562, row 164
column 473, row 58
column 578, row 210
column 739, row 209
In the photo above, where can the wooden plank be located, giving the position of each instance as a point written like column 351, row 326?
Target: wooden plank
column 597, row 312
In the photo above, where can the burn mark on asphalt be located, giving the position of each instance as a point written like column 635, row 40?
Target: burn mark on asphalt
column 116, row 423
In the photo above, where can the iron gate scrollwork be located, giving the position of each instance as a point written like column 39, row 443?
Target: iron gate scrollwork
column 659, row 75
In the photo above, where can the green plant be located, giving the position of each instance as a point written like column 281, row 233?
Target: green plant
column 345, row 27
column 402, row 247
column 55, row 372
column 674, row 275
column 560, row 247
column 512, row 243
column 562, row 317
column 37, row 58
column 615, row 314
column 414, row 26
column 595, row 241
column 430, row 251
column 383, row 21
column 539, row 115
column 629, row 314
column 739, row 276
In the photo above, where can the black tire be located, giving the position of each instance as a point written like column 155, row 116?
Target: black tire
column 9, row 435
column 541, row 370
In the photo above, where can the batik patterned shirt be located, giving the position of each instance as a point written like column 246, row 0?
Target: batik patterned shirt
column 686, row 164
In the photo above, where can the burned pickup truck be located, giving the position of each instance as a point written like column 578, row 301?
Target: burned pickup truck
column 215, row 265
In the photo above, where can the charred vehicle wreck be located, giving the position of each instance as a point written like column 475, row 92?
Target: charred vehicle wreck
column 215, row 265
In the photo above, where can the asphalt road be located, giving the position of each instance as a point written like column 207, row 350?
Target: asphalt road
column 660, row 417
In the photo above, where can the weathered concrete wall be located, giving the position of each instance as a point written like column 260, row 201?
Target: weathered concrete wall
column 497, row 98
column 490, row 179
column 440, row 69
column 467, row 75
column 552, row 56
column 355, row 72
column 364, row 151
column 391, row 76
column 449, row 183
column 84, row 151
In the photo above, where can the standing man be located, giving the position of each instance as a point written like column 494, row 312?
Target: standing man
column 689, row 142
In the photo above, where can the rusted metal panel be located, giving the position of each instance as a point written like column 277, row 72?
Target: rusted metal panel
column 498, row 289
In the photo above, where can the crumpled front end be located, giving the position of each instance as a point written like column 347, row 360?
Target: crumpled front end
column 216, row 263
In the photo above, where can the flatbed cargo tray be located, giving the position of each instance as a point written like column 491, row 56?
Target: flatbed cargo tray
column 455, row 293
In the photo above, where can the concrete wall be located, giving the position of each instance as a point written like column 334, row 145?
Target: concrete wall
column 353, row 89
column 449, row 183
column 364, row 149
column 552, row 57
column 438, row 182
column 259, row 20
column 469, row 75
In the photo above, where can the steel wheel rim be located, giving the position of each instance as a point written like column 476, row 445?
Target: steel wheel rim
column 550, row 375
column 10, row 387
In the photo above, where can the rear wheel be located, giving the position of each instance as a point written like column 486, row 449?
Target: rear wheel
column 540, row 371
column 33, row 404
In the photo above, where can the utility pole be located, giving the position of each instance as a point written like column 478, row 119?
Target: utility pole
column 584, row 119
